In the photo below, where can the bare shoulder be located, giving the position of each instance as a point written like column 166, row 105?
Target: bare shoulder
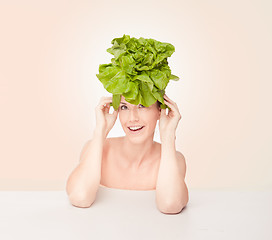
column 181, row 163
column 111, row 144
column 113, row 141
column 107, row 144
column 180, row 155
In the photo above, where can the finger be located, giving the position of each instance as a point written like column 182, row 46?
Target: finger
column 166, row 97
column 107, row 108
column 163, row 112
column 173, row 104
column 174, row 109
column 169, row 100
column 115, row 113
column 106, row 97
column 104, row 107
column 104, row 103
column 169, row 104
column 105, row 100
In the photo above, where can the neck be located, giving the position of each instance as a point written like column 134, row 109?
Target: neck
column 137, row 153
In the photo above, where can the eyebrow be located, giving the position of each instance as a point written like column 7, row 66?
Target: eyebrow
column 123, row 103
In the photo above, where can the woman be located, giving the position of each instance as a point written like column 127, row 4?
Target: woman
column 135, row 161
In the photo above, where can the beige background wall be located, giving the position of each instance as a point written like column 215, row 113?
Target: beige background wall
column 50, row 52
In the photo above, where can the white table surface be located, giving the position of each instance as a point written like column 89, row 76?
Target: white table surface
column 131, row 214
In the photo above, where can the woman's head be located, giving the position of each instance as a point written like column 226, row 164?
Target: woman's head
column 137, row 116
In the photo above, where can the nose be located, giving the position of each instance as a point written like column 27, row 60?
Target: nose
column 133, row 115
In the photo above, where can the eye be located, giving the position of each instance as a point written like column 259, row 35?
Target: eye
column 123, row 106
column 142, row 106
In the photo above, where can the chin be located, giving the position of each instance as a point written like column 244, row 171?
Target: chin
column 136, row 140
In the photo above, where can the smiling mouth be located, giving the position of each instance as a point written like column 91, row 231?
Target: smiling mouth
column 135, row 129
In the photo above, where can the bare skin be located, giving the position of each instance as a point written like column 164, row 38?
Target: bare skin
column 118, row 172
column 132, row 162
column 135, row 161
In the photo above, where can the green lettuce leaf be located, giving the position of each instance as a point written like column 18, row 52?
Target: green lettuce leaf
column 139, row 71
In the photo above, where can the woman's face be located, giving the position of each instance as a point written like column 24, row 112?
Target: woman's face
column 133, row 117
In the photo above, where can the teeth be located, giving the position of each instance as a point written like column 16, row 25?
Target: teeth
column 134, row 128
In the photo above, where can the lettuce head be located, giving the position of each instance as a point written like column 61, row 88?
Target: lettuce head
column 139, row 71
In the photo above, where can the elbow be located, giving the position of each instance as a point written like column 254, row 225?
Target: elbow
column 81, row 204
column 172, row 208
column 80, row 200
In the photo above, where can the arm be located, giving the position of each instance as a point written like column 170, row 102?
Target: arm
column 171, row 190
column 83, row 182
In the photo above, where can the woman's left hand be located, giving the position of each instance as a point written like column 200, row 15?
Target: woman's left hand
column 168, row 123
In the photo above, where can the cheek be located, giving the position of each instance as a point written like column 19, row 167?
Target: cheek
column 156, row 114
column 122, row 117
column 152, row 119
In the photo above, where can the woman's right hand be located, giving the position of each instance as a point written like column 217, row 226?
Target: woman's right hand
column 104, row 120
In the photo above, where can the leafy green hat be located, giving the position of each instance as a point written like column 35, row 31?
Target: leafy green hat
column 139, row 71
